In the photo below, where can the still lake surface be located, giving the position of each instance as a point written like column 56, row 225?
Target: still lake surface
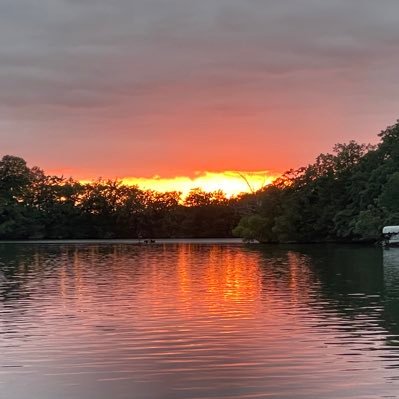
column 198, row 320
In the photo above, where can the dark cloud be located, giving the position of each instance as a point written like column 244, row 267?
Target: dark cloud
column 137, row 74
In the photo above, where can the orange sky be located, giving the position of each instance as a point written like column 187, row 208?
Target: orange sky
column 137, row 89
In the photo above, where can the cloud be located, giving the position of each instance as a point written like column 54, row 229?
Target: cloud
column 138, row 74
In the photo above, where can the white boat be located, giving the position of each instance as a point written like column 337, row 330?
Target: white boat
column 391, row 235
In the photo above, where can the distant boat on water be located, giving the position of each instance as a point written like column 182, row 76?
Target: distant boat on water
column 390, row 235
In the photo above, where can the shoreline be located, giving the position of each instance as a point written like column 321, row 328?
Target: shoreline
column 134, row 241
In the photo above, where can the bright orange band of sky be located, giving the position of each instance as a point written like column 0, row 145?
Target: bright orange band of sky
column 230, row 182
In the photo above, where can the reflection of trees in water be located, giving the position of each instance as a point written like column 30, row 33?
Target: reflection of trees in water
column 360, row 284
column 22, row 265
column 41, row 278
column 352, row 281
column 15, row 263
column 356, row 283
column 346, row 270
column 391, row 285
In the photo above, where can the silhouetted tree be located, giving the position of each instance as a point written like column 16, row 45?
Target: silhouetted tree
column 347, row 195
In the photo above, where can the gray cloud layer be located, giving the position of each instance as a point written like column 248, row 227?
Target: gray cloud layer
column 140, row 75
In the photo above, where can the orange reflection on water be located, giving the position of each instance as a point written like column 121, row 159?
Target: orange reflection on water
column 231, row 276
column 193, row 279
column 190, row 320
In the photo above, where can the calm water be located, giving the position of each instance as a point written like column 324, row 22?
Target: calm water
column 198, row 321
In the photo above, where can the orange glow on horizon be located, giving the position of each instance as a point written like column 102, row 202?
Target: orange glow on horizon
column 230, row 182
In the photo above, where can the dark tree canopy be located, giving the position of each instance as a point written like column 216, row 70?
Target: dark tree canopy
column 348, row 195
column 34, row 205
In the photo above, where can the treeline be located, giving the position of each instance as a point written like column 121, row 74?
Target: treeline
column 348, row 195
column 34, row 205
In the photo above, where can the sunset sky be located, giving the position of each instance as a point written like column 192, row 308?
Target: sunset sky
column 188, row 88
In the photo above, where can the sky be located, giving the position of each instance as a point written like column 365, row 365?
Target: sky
column 188, row 88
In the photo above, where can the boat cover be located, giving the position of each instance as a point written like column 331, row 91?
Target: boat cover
column 390, row 230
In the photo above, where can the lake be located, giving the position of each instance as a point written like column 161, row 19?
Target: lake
column 198, row 320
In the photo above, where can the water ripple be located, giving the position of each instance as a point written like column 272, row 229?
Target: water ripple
column 198, row 321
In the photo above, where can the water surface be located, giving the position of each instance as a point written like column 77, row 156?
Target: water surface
column 90, row 321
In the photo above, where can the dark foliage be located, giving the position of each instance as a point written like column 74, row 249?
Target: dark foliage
column 348, row 195
column 36, row 206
